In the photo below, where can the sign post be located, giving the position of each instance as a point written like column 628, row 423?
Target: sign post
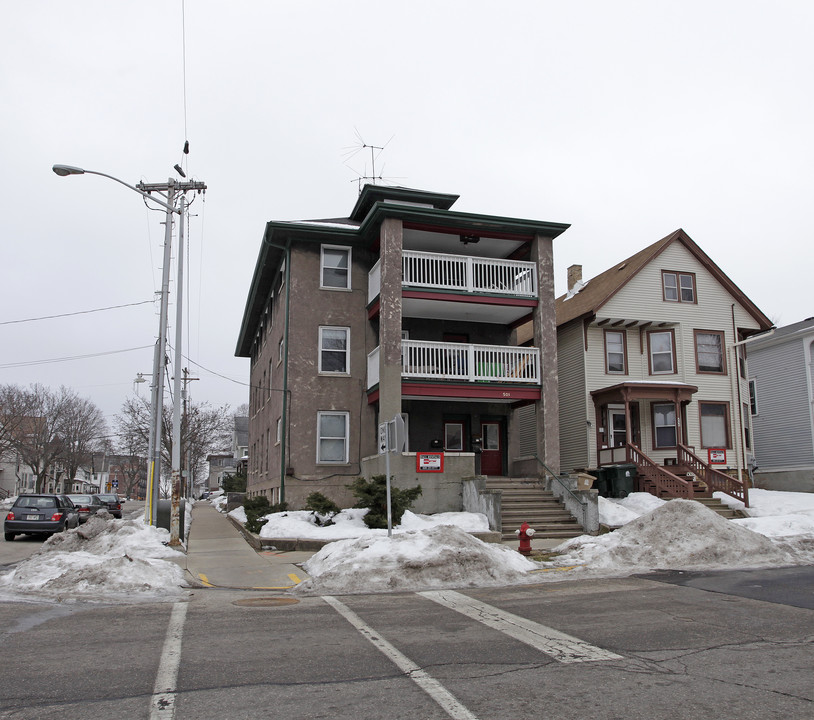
column 391, row 440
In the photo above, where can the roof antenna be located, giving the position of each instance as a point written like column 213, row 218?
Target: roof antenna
column 360, row 146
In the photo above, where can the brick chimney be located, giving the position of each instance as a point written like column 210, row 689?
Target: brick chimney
column 574, row 276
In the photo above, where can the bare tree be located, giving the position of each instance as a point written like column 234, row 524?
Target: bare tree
column 13, row 412
column 83, row 430
column 202, row 431
column 39, row 438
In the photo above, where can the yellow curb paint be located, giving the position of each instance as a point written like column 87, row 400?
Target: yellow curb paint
column 557, row 569
column 294, row 578
column 205, row 580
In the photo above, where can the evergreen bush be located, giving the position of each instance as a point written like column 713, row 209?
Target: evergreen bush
column 323, row 508
column 373, row 495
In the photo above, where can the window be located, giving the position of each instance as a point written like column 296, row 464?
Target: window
column 753, row 396
column 335, row 268
column 269, row 376
column 678, row 287
column 332, row 437
column 747, row 428
column 714, row 424
column 664, row 425
column 279, row 430
column 709, row 351
column 615, row 352
column 453, row 436
column 334, row 350
column 280, row 347
column 662, row 355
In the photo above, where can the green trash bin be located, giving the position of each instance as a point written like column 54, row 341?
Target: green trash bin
column 601, row 482
column 621, row 479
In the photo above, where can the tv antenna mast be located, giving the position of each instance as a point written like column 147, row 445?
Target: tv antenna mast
column 362, row 146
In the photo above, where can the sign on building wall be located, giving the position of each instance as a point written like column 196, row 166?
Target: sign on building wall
column 717, row 456
column 429, row 462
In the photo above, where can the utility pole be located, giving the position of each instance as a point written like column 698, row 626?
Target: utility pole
column 171, row 188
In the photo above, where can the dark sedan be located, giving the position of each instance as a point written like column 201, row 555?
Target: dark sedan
column 87, row 506
column 111, row 503
column 40, row 515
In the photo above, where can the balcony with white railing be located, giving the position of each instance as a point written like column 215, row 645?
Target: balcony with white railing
column 465, row 362
column 463, row 273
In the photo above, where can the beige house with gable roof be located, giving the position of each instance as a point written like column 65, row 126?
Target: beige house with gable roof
column 650, row 372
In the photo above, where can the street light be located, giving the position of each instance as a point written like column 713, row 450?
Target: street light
column 161, row 345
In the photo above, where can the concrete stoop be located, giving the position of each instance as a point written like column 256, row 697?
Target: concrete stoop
column 526, row 500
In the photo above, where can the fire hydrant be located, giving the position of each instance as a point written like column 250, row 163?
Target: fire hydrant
column 524, row 534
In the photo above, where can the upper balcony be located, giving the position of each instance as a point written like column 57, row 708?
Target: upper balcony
column 448, row 286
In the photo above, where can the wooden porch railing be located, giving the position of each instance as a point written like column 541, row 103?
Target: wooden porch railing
column 715, row 480
column 662, row 478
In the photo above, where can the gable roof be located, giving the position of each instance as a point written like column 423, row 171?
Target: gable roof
column 600, row 289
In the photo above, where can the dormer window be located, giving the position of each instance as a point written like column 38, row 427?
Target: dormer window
column 678, row 286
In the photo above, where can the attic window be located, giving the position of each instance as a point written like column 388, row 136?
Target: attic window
column 678, row 287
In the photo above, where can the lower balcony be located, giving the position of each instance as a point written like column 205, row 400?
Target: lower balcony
column 480, row 366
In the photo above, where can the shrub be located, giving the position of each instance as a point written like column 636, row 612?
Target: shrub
column 373, row 495
column 323, row 508
column 256, row 508
column 234, row 483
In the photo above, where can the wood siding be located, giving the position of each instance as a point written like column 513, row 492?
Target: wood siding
column 783, row 427
column 576, row 438
column 642, row 300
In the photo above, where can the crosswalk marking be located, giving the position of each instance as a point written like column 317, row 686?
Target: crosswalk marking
column 563, row 648
column 448, row 702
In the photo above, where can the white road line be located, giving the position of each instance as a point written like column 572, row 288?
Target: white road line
column 162, row 706
column 562, row 647
column 448, row 702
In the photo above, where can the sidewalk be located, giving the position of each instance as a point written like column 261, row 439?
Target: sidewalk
column 218, row 556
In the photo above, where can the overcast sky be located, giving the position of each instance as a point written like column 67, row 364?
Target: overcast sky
column 625, row 119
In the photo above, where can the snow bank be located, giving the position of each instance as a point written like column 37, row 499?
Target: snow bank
column 443, row 556
column 350, row 523
column 104, row 559
column 680, row 534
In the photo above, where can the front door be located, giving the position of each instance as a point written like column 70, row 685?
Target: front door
column 491, row 459
column 618, row 428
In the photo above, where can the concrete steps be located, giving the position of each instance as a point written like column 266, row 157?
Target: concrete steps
column 526, row 500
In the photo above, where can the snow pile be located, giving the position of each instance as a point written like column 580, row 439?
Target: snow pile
column 615, row 512
column 680, row 534
column 349, row 523
column 102, row 559
column 443, row 556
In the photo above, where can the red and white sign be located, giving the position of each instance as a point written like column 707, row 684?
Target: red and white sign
column 429, row 462
column 717, row 456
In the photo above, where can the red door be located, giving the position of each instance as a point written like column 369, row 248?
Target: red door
column 491, row 459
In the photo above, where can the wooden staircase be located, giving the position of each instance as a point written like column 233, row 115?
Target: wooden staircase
column 526, row 500
column 716, row 505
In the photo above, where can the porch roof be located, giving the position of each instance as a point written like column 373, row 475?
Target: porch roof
column 644, row 390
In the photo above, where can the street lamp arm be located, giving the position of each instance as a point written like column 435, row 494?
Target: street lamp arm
column 63, row 170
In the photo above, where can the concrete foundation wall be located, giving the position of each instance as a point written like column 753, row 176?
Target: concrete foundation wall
column 801, row 480
column 477, row 499
column 441, row 492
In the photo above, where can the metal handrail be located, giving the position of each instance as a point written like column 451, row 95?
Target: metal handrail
column 584, row 505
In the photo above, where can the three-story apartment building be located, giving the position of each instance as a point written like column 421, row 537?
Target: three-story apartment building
column 404, row 309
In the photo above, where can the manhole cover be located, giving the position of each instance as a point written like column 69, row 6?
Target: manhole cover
column 265, row 602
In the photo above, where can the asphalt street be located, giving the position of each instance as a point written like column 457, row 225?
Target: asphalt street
column 640, row 647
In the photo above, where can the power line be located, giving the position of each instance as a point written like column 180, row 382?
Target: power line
column 79, row 312
column 31, row 363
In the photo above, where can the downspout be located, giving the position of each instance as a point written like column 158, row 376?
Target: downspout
column 284, row 415
column 741, row 453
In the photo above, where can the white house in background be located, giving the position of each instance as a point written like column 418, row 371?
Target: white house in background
column 648, row 371
column 781, row 384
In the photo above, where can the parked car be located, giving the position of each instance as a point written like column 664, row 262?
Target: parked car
column 87, row 506
column 40, row 515
column 111, row 503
